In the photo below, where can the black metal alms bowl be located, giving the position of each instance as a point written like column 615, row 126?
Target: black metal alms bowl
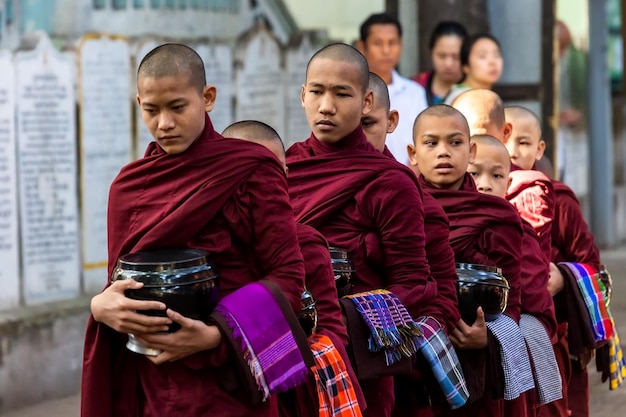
column 481, row 286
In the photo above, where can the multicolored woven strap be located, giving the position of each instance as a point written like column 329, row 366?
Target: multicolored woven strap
column 335, row 390
column 392, row 328
column 588, row 280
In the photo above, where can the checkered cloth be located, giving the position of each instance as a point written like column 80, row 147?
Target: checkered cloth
column 439, row 352
column 335, row 391
column 588, row 280
column 545, row 366
column 391, row 326
column 518, row 376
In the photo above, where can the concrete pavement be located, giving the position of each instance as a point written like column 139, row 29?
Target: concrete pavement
column 604, row 403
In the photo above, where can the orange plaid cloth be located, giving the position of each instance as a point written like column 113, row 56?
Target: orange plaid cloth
column 335, row 391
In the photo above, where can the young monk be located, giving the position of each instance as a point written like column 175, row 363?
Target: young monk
column 483, row 230
column 350, row 192
column 411, row 400
column 490, row 170
column 571, row 242
column 192, row 189
column 320, row 281
column 530, row 192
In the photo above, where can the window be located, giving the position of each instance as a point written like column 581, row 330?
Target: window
column 182, row 4
column 138, row 4
column 8, row 9
column 119, row 4
column 155, row 4
column 99, row 4
column 169, row 4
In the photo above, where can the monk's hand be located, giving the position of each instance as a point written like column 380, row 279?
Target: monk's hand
column 555, row 282
column 119, row 312
column 192, row 337
column 471, row 337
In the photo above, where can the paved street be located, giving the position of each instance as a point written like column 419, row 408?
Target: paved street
column 604, row 403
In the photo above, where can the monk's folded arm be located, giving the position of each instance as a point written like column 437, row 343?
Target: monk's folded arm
column 275, row 242
column 395, row 205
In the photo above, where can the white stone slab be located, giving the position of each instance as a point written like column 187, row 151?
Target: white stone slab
column 142, row 135
column 46, row 132
column 9, row 244
column 105, row 143
column 296, row 59
column 260, row 85
column 218, row 65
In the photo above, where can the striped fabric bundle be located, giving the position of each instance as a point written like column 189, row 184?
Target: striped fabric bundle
column 440, row 355
column 587, row 278
column 391, row 326
column 617, row 363
column 335, row 391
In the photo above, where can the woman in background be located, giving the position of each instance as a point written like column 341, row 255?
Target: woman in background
column 445, row 47
column 481, row 62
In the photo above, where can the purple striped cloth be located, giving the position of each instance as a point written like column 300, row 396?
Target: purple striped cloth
column 267, row 342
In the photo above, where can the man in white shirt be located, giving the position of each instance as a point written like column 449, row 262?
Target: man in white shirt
column 381, row 43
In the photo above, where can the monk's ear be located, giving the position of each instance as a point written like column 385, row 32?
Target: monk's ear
column 360, row 45
column 472, row 152
column 302, row 91
column 541, row 150
column 410, row 150
column 368, row 102
column 392, row 121
column 508, row 184
column 506, row 132
column 210, row 94
column 138, row 100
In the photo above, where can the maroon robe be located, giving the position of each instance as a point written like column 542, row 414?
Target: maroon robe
column 227, row 197
column 485, row 230
column 572, row 241
column 370, row 205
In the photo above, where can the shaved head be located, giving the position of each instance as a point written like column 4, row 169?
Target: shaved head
column 174, row 60
column 513, row 113
column 344, row 53
column 258, row 132
column 497, row 147
column 381, row 92
column 483, row 110
column 441, row 111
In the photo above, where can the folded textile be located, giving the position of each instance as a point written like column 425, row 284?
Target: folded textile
column 335, row 389
column 545, row 366
column 269, row 341
column 444, row 363
column 518, row 376
column 588, row 280
column 392, row 329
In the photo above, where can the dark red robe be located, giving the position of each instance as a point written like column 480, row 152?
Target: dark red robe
column 483, row 230
column 227, row 197
column 370, row 205
column 572, row 241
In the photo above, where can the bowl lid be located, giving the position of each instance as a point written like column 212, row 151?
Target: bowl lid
column 162, row 260
column 479, row 267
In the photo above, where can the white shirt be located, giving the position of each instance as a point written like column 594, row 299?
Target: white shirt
column 409, row 99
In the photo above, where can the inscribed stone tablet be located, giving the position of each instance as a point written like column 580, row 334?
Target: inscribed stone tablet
column 9, row 245
column 46, row 131
column 260, row 88
column 297, row 58
column 143, row 136
column 106, row 139
column 218, row 64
